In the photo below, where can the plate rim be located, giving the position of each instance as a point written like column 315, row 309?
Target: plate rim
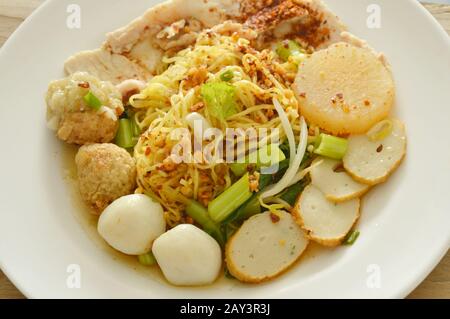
column 402, row 292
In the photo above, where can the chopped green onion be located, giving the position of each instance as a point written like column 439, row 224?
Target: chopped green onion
column 263, row 158
column 124, row 137
column 147, row 259
column 331, row 146
column 227, row 202
column 352, row 237
column 381, row 130
column 92, row 101
column 200, row 215
column 288, row 48
column 220, row 99
column 227, row 76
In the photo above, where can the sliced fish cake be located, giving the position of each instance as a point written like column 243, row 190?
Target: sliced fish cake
column 338, row 186
column 372, row 161
column 264, row 247
column 326, row 223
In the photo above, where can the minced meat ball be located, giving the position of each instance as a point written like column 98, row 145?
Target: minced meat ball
column 106, row 172
column 74, row 121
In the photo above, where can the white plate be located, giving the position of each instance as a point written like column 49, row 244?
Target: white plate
column 406, row 222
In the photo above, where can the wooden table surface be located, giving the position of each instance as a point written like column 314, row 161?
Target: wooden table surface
column 13, row 12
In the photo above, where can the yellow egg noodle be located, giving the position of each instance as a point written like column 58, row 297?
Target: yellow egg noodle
column 170, row 96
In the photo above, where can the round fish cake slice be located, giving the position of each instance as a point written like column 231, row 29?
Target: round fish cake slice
column 373, row 161
column 264, row 247
column 334, row 182
column 326, row 223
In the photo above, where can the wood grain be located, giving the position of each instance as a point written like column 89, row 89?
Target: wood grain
column 442, row 13
column 13, row 12
column 7, row 289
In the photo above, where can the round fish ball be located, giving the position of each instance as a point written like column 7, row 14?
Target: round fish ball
column 131, row 224
column 188, row 256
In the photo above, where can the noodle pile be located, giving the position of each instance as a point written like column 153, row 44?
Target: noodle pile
column 258, row 77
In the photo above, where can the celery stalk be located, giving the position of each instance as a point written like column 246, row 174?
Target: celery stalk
column 227, row 202
column 252, row 206
column 200, row 215
column 124, row 137
column 331, row 146
column 264, row 158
